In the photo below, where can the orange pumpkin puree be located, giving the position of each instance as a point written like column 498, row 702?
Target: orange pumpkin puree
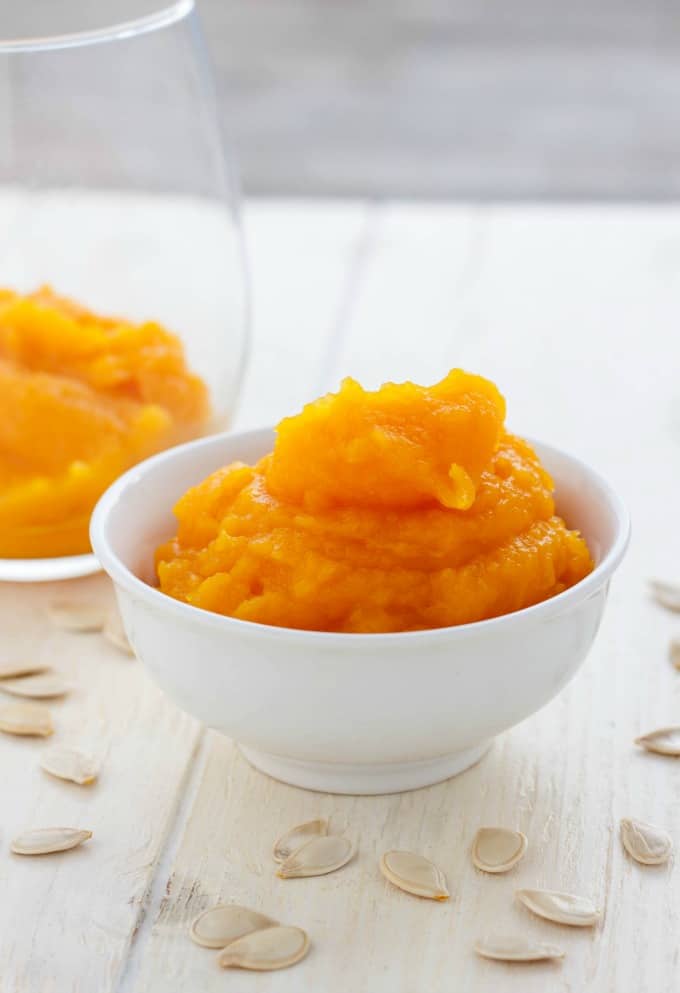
column 395, row 510
column 82, row 398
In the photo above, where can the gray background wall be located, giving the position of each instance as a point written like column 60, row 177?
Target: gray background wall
column 421, row 98
column 465, row 98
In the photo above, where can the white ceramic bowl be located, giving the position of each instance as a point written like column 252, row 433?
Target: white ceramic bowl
column 349, row 713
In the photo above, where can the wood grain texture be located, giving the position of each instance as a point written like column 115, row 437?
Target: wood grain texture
column 575, row 315
column 67, row 920
column 303, row 263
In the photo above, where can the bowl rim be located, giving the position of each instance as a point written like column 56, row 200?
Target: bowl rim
column 153, row 597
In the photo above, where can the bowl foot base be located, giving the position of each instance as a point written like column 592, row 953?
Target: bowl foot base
column 364, row 779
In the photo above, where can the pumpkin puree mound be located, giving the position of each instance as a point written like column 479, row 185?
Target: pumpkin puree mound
column 82, row 398
column 395, row 510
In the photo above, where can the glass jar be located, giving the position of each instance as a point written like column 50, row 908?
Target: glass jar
column 115, row 194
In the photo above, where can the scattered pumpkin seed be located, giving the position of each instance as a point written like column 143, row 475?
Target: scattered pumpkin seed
column 26, row 718
column 292, row 840
column 674, row 652
column 666, row 594
column 40, row 687
column 66, row 762
column 646, row 843
column 77, row 615
column 562, row 908
column 506, row 948
column 496, row 849
column 273, row 948
column 45, row 841
column 664, row 741
column 317, row 857
column 414, row 874
column 9, row 670
column 224, row 923
column 114, row 632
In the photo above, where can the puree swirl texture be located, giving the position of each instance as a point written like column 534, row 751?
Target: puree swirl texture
column 82, row 398
column 395, row 510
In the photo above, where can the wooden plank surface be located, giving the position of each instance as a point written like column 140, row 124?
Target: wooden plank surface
column 66, row 921
column 574, row 313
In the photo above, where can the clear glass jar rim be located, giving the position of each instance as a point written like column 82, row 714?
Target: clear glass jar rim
column 162, row 18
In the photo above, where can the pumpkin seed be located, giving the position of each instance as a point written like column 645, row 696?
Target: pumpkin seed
column 224, row 923
column 114, row 632
column 562, row 908
column 45, row 841
column 317, row 857
column 498, row 849
column 9, row 670
column 674, row 652
column 510, row 948
column 414, row 874
column 292, row 840
column 26, row 718
column 76, row 615
column 40, row 687
column 66, row 762
column 645, row 842
column 666, row 594
column 274, row 948
column 664, row 741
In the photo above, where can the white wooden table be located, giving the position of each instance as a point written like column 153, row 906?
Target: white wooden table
column 575, row 313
